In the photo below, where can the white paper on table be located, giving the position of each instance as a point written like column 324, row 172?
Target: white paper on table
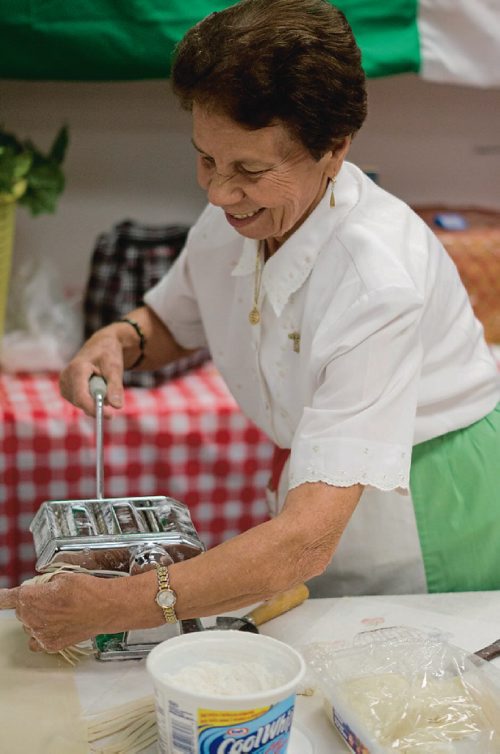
column 102, row 685
column 349, row 617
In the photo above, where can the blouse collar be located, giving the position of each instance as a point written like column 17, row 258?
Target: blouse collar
column 289, row 267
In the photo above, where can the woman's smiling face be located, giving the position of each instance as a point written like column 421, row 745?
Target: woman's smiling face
column 266, row 182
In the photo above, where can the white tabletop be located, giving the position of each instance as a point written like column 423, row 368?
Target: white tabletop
column 469, row 620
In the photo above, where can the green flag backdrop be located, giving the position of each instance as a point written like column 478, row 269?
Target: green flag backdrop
column 454, row 41
column 99, row 40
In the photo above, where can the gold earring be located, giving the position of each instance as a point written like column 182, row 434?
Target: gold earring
column 332, row 195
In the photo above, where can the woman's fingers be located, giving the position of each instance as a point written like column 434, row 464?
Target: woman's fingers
column 36, row 647
column 74, row 386
column 44, row 614
column 70, row 608
column 9, row 598
column 102, row 357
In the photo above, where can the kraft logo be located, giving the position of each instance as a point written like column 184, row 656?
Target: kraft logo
column 263, row 735
column 277, row 746
column 237, row 731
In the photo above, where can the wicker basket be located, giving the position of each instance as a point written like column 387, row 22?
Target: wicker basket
column 7, row 214
column 476, row 253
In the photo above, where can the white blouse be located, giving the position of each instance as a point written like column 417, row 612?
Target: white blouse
column 367, row 342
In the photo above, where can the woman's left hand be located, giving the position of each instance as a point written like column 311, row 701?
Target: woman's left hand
column 65, row 611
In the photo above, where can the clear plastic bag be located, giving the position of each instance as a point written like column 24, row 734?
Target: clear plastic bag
column 44, row 327
column 396, row 691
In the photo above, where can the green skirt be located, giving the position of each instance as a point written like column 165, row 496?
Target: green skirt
column 455, row 487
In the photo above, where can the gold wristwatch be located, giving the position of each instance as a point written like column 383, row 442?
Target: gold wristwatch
column 165, row 597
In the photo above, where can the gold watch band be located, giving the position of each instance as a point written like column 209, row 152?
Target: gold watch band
column 165, row 597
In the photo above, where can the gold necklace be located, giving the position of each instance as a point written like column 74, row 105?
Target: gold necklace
column 254, row 315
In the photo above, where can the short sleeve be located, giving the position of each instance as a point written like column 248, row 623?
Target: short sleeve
column 359, row 427
column 174, row 301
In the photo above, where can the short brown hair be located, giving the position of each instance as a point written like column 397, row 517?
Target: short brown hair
column 261, row 61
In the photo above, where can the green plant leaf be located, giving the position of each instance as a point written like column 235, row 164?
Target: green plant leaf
column 23, row 161
column 60, row 145
column 7, row 167
column 45, row 183
column 9, row 140
column 13, row 167
column 45, row 176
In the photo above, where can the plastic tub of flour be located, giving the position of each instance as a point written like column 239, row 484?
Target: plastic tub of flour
column 224, row 692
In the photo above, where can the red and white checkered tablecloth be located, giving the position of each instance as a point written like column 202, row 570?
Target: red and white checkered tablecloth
column 186, row 439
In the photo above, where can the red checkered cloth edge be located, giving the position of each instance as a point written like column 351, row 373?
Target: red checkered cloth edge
column 186, row 439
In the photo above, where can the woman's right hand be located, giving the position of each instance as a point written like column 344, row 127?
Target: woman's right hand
column 111, row 349
column 101, row 354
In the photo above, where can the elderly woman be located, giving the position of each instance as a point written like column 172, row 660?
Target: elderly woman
column 339, row 324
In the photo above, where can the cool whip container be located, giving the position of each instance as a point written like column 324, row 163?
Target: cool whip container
column 213, row 723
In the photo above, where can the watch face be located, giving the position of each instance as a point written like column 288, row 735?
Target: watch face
column 166, row 598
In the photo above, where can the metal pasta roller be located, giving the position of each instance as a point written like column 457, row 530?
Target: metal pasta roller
column 116, row 537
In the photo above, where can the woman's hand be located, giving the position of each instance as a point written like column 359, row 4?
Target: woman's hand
column 74, row 607
column 69, row 609
column 102, row 354
column 112, row 349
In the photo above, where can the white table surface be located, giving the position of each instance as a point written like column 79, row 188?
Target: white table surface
column 469, row 620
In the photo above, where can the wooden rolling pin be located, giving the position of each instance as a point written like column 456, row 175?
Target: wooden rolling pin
column 278, row 604
column 268, row 610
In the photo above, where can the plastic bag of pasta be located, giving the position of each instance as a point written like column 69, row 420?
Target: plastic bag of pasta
column 400, row 692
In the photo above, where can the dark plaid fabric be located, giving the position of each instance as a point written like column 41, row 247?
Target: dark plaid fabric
column 126, row 262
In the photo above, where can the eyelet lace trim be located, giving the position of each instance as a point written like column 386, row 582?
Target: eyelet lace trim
column 384, row 482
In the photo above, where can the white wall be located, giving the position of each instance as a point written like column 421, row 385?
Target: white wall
column 130, row 154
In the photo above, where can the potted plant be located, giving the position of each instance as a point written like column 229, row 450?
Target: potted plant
column 31, row 178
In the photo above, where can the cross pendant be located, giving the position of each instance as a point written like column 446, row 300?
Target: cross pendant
column 295, row 336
